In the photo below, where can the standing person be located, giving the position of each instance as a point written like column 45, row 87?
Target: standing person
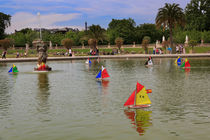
column 70, row 53
column 177, row 49
column 4, row 55
column 17, row 56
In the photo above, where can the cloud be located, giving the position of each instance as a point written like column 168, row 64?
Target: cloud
column 27, row 20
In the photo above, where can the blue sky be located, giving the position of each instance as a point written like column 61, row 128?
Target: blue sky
column 74, row 13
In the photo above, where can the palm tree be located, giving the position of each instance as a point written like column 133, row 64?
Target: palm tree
column 95, row 34
column 169, row 17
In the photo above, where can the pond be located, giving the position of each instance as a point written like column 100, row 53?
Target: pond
column 69, row 103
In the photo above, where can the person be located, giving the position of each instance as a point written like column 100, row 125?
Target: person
column 177, row 49
column 169, row 50
column 70, row 53
column 17, row 56
column 25, row 54
column 4, row 55
column 154, row 50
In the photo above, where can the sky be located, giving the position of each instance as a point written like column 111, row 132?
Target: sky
column 74, row 13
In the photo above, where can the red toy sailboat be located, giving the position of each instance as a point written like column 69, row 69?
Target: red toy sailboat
column 102, row 73
column 139, row 98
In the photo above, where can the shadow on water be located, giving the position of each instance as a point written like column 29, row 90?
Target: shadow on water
column 43, row 92
column 140, row 119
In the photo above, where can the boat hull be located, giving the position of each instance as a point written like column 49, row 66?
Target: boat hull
column 139, row 106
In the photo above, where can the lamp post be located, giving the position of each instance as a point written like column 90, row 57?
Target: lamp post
column 40, row 29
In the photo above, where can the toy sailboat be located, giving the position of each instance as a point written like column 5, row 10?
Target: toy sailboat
column 186, row 64
column 178, row 61
column 139, row 98
column 88, row 61
column 102, row 73
column 13, row 69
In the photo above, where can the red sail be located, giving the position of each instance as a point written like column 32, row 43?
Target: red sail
column 131, row 99
column 104, row 73
column 187, row 64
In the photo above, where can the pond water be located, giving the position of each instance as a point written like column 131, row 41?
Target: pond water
column 69, row 103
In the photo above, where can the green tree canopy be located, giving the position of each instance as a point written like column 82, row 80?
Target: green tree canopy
column 197, row 15
column 124, row 28
column 4, row 23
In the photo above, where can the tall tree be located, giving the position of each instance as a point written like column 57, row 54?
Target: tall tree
column 170, row 16
column 4, row 23
column 197, row 15
column 124, row 28
column 96, row 34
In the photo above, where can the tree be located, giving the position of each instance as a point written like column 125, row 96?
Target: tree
column 119, row 42
column 4, row 23
column 170, row 16
column 124, row 28
column 92, row 43
column 197, row 15
column 148, row 30
column 145, row 42
column 6, row 43
column 67, row 43
column 95, row 34
column 192, row 43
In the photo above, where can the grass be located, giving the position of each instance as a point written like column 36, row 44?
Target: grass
column 11, row 53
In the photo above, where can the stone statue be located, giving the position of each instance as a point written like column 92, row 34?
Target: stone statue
column 41, row 48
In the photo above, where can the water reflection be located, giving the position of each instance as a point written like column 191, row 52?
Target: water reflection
column 140, row 119
column 43, row 92
column 103, row 86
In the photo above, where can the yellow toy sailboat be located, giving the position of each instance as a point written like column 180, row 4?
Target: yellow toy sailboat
column 139, row 98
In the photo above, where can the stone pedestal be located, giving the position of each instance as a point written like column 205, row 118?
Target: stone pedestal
column 109, row 45
column 134, row 44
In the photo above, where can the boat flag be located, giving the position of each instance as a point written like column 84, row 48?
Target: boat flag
column 13, row 69
column 102, row 73
column 139, row 97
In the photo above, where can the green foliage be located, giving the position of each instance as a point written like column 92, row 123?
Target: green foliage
column 57, row 38
column 145, row 43
column 192, row 43
column 4, row 23
column 96, row 32
column 206, row 36
column 194, row 35
column 179, row 36
column 197, row 15
column 148, row 30
column 75, row 36
column 19, row 39
column 67, row 43
column 124, row 28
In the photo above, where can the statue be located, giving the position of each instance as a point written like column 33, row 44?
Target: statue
column 41, row 48
column 186, row 40
column 163, row 39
